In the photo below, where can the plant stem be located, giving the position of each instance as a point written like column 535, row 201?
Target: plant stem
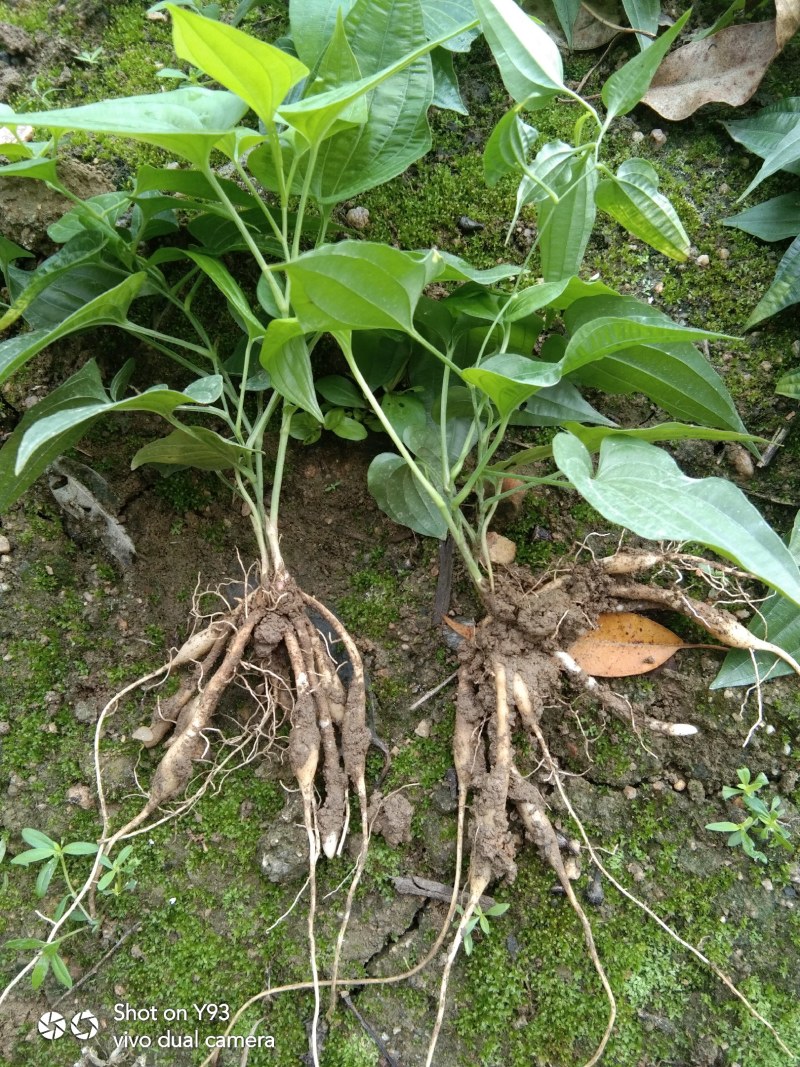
column 280, row 462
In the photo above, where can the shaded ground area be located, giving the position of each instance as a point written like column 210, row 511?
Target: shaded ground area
column 204, row 908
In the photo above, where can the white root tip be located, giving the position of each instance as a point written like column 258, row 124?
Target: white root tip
column 143, row 734
column 672, row 729
column 329, row 845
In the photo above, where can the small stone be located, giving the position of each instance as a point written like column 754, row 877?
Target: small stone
column 358, row 218
column 5, row 728
column 501, row 549
column 658, row 288
column 702, row 261
column 637, row 136
column 658, row 136
column 80, row 795
column 679, row 785
column 724, row 188
column 5, row 545
column 740, row 459
column 658, row 786
column 629, row 792
column 468, row 225
column 573, row 868
column 636, row 871
column 84, row 711
column 423, row 728
column 724, row 253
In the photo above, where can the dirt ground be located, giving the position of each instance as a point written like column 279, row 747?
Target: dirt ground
column 211, row 909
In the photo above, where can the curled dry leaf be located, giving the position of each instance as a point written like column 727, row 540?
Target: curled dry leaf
column 626, row 644
column 726, row 68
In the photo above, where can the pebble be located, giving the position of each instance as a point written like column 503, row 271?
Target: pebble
column 85, row 711
column 658, row 136
column 703, row 261
column 358, row 218
column 5, row 545
column 679, row 785
column 423, row 728
column 637, row 136
column 740, row 459
column 80, row 795
column 629, row 792
column 468, row 225
column 5, row 728
column 658, row 786
column 724, row 253
column 594, row 891
column 636, row 871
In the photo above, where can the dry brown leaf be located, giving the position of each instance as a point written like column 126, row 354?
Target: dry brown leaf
column 787, row 21
column 625, row 644
column 726, row 68
column 589, row 32
column 463, row 629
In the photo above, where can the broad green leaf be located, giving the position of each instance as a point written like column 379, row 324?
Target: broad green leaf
column 45, row 876
column 641, row 487
column 81, row 249
column 643, row 15
column 551, row 171
column 454, row 269
column 406, row 413
column 560, row 294
column 38, row 168
column 381, row 356
column 677, row 377
column 509, row 379
column 312, row 23
column 356, row 285
column 632, row 198
column 231, row 290
column 565, row 227
column 396, row 132
column 254, row 70
column 38, row 839
column 446, row 90
column 350, row 429
column 626, row 86
column 782, row 156
column 192, row 446
column 444, row 17
column 83, row 216
column 186, row 121
column 567, row 11
column 398, row 494
column 33, row 855
column 10, row 252
column 305, row 428
column 80, row 848
column 778, row 621
column 341, row 391
column 508, row 147
column 40, row 971
column 773, row 220
column 83, row 386
column 72, row 290
column 53, row 425
column 191, row 184
column 789, row 385
column 556, row 405
column 529, row 60
column 339, row 66
column 765, row 132
column 109, row 309
column 784, row 290
column 286, row 359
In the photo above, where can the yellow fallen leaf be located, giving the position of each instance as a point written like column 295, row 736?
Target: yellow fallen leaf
column 626, row 644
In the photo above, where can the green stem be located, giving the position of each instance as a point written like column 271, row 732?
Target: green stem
column 70, row 886
column 485, row 455
column 280, row 462
column 276, row 229
column 452, row 519
column 304, row 193
column 243, row 388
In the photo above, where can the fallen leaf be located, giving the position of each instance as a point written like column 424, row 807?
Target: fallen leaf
column 589, row 31
column 726, row 68
column 787, row 21
column 463, row 629
column 625, row 644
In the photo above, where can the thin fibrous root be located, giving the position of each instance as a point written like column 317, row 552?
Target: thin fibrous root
column 617, row 705
column 726, row 981
column 531, row 807
column 491, row 835
column 718, row 622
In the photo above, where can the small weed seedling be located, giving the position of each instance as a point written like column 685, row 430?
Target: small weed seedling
column 762, row 823
column 480, row 918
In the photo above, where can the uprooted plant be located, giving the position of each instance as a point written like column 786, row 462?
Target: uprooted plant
column 348, row 114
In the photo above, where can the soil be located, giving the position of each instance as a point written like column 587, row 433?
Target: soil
column 74, row 626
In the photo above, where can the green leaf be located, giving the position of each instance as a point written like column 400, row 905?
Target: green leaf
column 778, row 621
column 626, row 86
column 55, row 423
column 446, row 90
column 381, row 355
column 454, row 269
column 185, row 121
column 339, row 66
column 111, row 206
column 82, row 386
column 356, row 285
column 45, row 876
column 783, row 155
column 773, row 220
column 37, row 839
column 762, row 133
column 40, row 971
column 567, row 11
column 640, row 487
column 38, row 168
column 565, row 227
column 109, row 309
column 406, row 413
column 632, row 198
column 509, row 379
column 643, row 15
column 784, row 290
column 80, row 848
column 231, row 290
column 350, row 429
column 443, row 17
column 257, row 72
column 396, row 132
column 305, row 428
column 341, row 391
column 312, row 23
column 556, row 405
column 23, row 944
column 725, row 19
column 60, row 972
column 529, row 61
column 32, row 855
column 508, row 147
column 192, row 446
column 398, row 495
column 789, row 385
column 723, row 827
column 83, row 248
column 286, row 358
